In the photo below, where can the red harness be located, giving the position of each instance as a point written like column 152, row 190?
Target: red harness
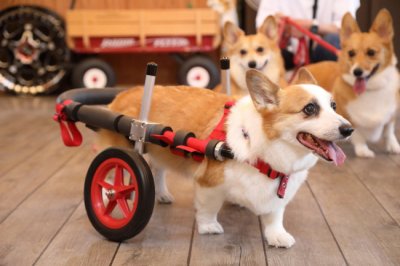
column 219, row 133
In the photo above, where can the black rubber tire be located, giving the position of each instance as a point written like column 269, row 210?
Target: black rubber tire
column 46, row 71
column 199, row 61
column 80, row 69
column 146, row 193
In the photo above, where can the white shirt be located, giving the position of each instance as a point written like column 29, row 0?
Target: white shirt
column 328, row 11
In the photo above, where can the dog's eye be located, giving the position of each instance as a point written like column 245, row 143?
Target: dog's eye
column 260, row 49
column 310, row 109
column 352, row 53
column 333, row 105
column 371, row 52
column 243, row 52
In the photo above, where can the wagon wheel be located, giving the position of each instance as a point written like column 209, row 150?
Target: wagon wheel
column 199, row 71
column 33, row 52
column 119, row 194
column 93, row 73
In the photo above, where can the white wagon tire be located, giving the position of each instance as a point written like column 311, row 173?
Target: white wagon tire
column 93, row 73
column 199, row 71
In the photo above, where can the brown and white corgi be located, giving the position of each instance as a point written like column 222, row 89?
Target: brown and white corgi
column 259, row 51
column 286, row 128
column 365, row 82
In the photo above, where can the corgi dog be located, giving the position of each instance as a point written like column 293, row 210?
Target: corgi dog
column 259, row 51
column 226, row 9
column 365, row 82
column 287, row 128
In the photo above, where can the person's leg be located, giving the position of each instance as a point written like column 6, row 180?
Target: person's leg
column 322, row 54
column 287, row 58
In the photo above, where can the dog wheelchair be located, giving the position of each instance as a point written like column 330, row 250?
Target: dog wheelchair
column 121, row 177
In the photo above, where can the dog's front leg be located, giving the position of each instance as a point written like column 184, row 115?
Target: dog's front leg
column 274, row 231
column 360, row 145
column 392, row 145
column 208, row 202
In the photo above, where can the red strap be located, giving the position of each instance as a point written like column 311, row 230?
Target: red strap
column 267, row 170
column 219, row 132
column 69, row 132
column 302, row 57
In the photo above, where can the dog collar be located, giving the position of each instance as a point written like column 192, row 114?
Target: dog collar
column 219, row 133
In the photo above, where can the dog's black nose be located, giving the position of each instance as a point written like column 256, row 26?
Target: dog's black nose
column 358, row 72
column 346, row 130
column 252, row 64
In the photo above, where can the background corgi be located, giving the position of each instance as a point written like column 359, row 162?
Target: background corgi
column 365, row 82
column 226, row 9
column 259, row 51
column 285, row 128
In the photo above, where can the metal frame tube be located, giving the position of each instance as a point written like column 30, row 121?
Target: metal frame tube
column 225, row 75
column 151, row 72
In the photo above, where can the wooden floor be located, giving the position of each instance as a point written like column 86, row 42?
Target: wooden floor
column 348, row 215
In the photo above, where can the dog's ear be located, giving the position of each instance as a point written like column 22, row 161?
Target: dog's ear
column 349, row 26
column 263, row 92
column 232, row 33
column 270, row 28
column 303, row 76
column 383, row 25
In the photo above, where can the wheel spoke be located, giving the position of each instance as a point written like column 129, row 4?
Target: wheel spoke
column 110, row 207
column 104, row 184
column 126, row 189
column 123, row 204
column 119, row 176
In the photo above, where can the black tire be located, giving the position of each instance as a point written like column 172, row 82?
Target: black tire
column 34, row 57
column 206, row 65
column 83, row 68
column 145, row 197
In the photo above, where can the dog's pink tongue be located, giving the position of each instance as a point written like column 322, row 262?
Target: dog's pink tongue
column 360, row 85
column 336, row 154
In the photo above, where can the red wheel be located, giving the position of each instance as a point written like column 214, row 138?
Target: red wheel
column 119, row 194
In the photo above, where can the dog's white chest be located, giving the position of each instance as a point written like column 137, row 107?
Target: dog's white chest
column 257, row 192
column 376, row 106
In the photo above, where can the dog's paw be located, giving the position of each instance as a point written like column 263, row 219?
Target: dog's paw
column 392, row 146
column 364, row 151
column 210, row 228
column 279, row 238
column 165, row 198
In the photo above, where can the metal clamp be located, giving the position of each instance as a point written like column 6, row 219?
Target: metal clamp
column 139, row 130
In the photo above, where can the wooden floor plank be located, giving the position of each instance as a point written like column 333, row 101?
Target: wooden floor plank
column 240, row 244
column 166, row 239
column 366, row 234
column 30, row 228
column 315, row 245
column 78, row 244
column 20, row 181
column 383, row 180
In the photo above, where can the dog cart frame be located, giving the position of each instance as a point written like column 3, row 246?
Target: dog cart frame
column 121, row 177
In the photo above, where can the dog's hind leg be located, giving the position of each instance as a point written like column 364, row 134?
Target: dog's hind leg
column 360, row 145
column 162, row 192
column 274, row 231
column 208, row 202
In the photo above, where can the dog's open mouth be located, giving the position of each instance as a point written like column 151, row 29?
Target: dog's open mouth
column 325, row 149
column 360, row 85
